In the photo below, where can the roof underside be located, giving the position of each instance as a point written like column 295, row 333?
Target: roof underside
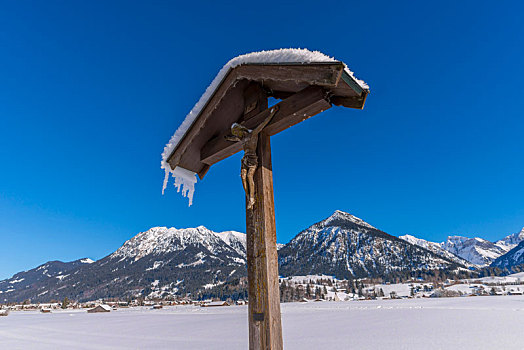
column 305, row 90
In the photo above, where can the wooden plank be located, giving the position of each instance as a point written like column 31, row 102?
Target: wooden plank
column 265, row 328
column 302, row 105
column 322, row 74
column 199, row 123
column 229, row 110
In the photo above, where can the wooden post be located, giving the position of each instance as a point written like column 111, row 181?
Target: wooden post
column 265, row 327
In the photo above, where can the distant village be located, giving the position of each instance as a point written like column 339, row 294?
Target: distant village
column 313, row 288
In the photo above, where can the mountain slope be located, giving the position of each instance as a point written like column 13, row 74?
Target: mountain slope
column 346, row 246
column 512, row 258
column 51, row 270
column 436, row 248
column 511, row 241
column 476, row 250
column 156, row 262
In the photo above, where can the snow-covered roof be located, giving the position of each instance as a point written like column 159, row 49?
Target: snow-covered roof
column 216, row 303
column 184, row 179
column 103, row 306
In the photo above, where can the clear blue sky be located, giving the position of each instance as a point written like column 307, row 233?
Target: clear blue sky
column 90, row 91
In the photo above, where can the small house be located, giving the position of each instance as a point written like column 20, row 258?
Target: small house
column 4, row 312
column 157, row 307
column 100, row 308
column 216, row 303
column 45, row 311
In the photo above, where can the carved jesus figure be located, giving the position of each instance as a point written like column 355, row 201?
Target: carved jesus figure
column 249, row 140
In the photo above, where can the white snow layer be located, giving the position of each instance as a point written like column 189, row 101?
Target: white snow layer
column 186, row 178
column 477, row 323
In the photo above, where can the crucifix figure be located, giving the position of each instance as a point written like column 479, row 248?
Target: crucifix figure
column 249, row 140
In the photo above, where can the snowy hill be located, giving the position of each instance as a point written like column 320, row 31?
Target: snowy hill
column 345, row 246
column 166, row 261
column 56, row 270
column 162, row 240
column 436, row 248
column 476, row 250
column 511, row 241
column 512, row 258
column 160, row 261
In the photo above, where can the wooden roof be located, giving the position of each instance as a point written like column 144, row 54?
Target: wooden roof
column 305, row 90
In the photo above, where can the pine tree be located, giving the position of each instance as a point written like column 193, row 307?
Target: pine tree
column 65, row 303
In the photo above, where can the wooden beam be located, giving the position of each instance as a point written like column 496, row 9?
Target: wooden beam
column 175, row 157
column 324, row 73
column 265, row 328
column 302, row 105
column 350, row 102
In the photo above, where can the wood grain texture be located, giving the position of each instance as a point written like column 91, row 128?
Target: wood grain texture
column 262, row 258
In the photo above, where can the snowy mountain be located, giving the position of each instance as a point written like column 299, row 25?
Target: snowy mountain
column 166, row 261
column 55, row 270
column 512, row 258
column 511, row 241
column 162, row 240
column 476, row 250
column 345, row 246
column 437, row 249
column 156, row 262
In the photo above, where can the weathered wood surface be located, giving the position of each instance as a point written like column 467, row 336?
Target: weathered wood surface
column 265, row 328
column 279, row 76
column 300, row 106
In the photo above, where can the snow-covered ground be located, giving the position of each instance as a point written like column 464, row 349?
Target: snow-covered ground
column 489, row 322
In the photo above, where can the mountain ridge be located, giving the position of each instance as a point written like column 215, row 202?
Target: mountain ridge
column 165, row 261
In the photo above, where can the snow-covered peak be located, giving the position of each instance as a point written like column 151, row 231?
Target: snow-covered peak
column 414, row 240
column 234, row 239
column 511, row 241
column 339, row 215
column 184, row 179
column 476, row 250
column 232, row 236
column 436, row 248
column 86, row 261
column 158, row 240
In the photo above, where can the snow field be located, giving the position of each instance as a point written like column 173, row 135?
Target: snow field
column 444, row 323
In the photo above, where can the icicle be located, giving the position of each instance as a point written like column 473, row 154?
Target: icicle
column 166, row 179
column 185, row 180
